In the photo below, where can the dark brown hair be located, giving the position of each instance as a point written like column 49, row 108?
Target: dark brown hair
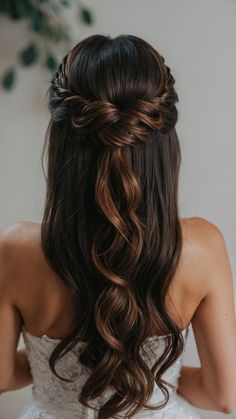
column 111, row 228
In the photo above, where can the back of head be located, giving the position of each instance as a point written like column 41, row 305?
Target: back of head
column 111, row 228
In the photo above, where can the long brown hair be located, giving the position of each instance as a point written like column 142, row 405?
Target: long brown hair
column 111, row 228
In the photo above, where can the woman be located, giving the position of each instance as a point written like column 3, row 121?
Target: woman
column 106, row 287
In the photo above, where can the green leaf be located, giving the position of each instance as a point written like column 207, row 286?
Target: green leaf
column 86, row 16
column 37, row 20
column 8, row 79
column 3, row 6
column 51, row 62
column 14, row 13
column 15, row 9
column 24, row 8
column 29, row 55
column 6, row 7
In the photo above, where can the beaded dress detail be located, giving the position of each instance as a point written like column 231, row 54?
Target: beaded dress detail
column 53, row 398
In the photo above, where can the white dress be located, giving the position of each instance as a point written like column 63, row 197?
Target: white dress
column 53, row 398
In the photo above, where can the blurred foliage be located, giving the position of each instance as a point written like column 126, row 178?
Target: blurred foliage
column 49, row 32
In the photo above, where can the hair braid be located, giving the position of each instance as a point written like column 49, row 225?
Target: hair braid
column 116, row 238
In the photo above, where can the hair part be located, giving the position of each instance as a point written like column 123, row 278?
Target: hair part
column 111, row 228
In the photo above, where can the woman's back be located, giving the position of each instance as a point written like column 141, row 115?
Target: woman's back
column 47, row 312
column 53, row 308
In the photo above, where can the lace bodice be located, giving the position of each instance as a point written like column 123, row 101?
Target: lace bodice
column 57, row 399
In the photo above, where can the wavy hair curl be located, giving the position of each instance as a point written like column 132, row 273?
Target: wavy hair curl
column 111, row 228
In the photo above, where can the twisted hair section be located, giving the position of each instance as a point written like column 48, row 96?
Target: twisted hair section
column 111, row 228
column 115, row 127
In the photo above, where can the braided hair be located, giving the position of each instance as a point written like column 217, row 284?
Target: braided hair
column 111, row 228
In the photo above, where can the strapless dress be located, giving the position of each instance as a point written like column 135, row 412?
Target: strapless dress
column 53, row 398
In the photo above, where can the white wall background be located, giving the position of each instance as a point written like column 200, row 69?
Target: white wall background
column 197, row 39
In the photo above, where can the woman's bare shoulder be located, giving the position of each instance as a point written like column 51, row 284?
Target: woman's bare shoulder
column 203, row 246
column 18, row 232
column 201, row 237
column 18, row 244
column 19, row 237
column 200, row 230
